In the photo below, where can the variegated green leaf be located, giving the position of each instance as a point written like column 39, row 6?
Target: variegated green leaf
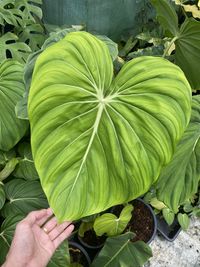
column 98, row 141
column 110, row 224
column 11, row 91
column 179, row 180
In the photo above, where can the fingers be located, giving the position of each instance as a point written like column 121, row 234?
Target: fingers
column 42, row 220
column 34, row 216
column 58, row 230
column 65, row 234
column 50, row 225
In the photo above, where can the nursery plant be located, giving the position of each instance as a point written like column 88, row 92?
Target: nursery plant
column 74, row 103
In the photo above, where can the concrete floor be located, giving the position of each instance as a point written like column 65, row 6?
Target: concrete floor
column 183, row 252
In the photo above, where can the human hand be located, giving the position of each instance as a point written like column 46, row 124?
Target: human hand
column 33, row 246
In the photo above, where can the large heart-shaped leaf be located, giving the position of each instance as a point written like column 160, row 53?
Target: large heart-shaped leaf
column 23, row 197
column 11, row 91
column 96, row 141
column 120, row 251
column 179, row 180
column 6, row 234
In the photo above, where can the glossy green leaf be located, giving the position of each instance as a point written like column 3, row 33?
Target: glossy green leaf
column 2, row 196
column 61, row 256
column 11, row 91
column 183, row 220
column 168, row 215
column 179, row 180
column 17, row 50
column 166, row 15
column 84, row 227
column 6, row 234
column 120, row 251
column 110, row 224
column 23, row 197
column 93, row 133
column 26, row 167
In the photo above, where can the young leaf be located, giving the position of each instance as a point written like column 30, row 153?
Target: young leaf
column 84, row 227
column 110, row 224
column 84, row 122
column 168, row 215
column 11, row 91
column 23, row 196
column 183, row 220
column 18, row 50
column 6, row 234
column 120, row 251
column 174, row 188
column 159, row 205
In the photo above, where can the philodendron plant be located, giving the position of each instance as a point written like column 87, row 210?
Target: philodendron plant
column 99, row 140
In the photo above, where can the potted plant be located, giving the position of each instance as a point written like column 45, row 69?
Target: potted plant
column 78, row 255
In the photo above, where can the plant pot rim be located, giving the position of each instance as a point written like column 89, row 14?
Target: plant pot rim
column 90, row 246
column 81, row 248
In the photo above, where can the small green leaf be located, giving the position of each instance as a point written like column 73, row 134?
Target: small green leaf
column 9, row 168
column 159, row 205
column 168, row 215
column 110, row 224
column 188, row 207
column 23, row 197
column 196, row 212
column 183, row 220
column 120, row 251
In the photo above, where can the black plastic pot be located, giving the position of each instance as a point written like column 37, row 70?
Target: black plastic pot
column 169, row 232
column 84, row 257
column 153, row 217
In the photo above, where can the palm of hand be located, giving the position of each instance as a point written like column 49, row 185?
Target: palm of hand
column 31, row 245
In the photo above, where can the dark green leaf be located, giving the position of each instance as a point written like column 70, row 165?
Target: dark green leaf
column 166, row 16
column 61, row 256
column 6, row 234
column 120, row 251
column 26, row 168
column 2, row 195
column 23, row 197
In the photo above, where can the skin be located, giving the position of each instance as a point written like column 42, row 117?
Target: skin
column 31, row 245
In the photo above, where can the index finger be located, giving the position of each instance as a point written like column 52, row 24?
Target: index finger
column 33, row 216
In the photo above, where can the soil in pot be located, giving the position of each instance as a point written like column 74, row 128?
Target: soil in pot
column 78, row 254
column 141, row 223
